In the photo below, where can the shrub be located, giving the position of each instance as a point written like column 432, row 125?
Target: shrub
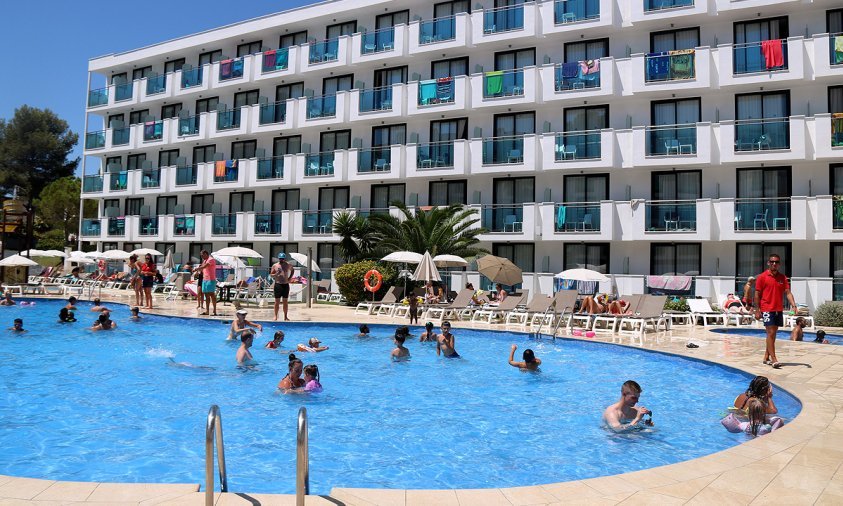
column 829, row 314
column 676, row 304
column 350, row 280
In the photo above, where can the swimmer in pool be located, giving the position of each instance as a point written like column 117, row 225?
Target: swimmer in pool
column 821, row 337
column 530, row 363
column 66, row 316
column 104, row 322
column 244, row 356
column 313, row 346
column 98, row 307
column 135, row 313
column 17, row 326
column 624, row 414
column 364, row 331
column 445, row 342
column 293, row 379
column 797, row 333
column 428, row 334
column 400, row 352
column 71, row 304
column 7, row 299
column 761, row 389
column 241, row 324
column 277, row 339
column 311, row 379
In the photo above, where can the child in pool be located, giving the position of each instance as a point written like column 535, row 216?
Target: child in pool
column 66, row 315
column 17, row 326
column 758, row 421
column 400, row 352
column 277, row 339
column 135, row 313
column 311, row 379
column 364, row 331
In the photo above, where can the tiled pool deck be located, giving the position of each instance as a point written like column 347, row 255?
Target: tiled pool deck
column 801, row 463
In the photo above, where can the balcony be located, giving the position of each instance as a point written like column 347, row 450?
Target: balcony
column 153, row 131
column 323, row 110
column 669, row 145
column 148, row 226
column 224, row 224
column 376, row 159
column 91, row 228
column 98, row 97
column 446, row 158
column 228, row 120
column 577, row 217
column 762, row 134
column 503, row 19
column 226, row 171
column 436, row 91
column 503, row 150
column 657, row 5
column 116, row 227
column 95, row 140
column 184, row 225
column 827, row 61
column 272, row 113
column 671, row 216
column 323, row 51
column 578, row 75
column 578, row 149
column 187, row 175
column 269, row 223
column 435, row 154
column 671, row 140
column 275, row 60
column 750, row 66
column 191, row 77
column 92, row 184
column 508, row 154
column 575, row 11
column 438, row 96
column 730, row 5
column 270, row 168
column 375, row 99
column 669, row 66
column 319, row 164
column 504, row 88
column 753, row 57
column 506, row 23
column 317, row 222
column 189, row 126
column 121, row 136
column 760, row 140
column 379, row 41
column 828, row 141
column 762, row 214
column 561, row 16
column 643, row 11
column 669, row 71
column 433, row 31
column 577, row 80
column 503, row 218
column 231, row 69
column 124, row 92
column 156, row 85
column 118, row 181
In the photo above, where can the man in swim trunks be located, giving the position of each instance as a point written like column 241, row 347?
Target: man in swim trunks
column 97, row 307
column 240, row 325
column 243, row 354
column 445, row 342
column 71, row 304
column 624, row 414
column 208, row 268
column 771, row 286
column 17, row 326
column 281, row 272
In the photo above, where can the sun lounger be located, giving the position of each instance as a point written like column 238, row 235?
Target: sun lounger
column 647, row 313
column 450, row 311
column 608, row 322
column 744, row 317
column 491, row 312
column 540, row 304
column 701, row 311
column 369, row 307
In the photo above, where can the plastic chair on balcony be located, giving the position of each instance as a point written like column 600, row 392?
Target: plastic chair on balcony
column 762, row 219
column 369, row 47
column 586, row 222
column 312, row 168
column 568, row 17
column 671, row 219
column 310, row 223
column 764, row 139
column 327, row 169
column 671, row 145
column 514, row 156
column 566, row 152
column 381, row 165
column 511, row 223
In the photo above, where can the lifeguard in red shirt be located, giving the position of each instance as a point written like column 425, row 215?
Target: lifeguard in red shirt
column 771, row 287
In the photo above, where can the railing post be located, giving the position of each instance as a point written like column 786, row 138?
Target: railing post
column 213, row 426
column 302, row 464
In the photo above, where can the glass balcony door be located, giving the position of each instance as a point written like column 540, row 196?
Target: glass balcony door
column 748, row 54
column 762, row 121
column 673, row 127
column 581, row 208
column 582, row 132
column 674, row 196
column 763, row 201
column 509, row 197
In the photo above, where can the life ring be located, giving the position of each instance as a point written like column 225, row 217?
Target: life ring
column 378, row 281
column 101, row 265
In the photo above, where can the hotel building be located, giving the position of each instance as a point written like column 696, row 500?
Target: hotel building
column 671, row 143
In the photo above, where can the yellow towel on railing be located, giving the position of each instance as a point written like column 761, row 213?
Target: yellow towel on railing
column 219, row 168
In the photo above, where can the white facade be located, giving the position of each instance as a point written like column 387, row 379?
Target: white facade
column 745, row 166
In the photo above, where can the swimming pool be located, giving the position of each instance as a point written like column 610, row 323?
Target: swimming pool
column 110, row 406
column 782, row 334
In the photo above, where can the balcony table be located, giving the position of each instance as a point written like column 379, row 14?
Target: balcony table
column 783, row 221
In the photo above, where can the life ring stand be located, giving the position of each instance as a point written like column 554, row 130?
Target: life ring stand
column 367, row 280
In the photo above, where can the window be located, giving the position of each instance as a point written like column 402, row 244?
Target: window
column 210, row 57
column 582, row 196
column 285, row 200
column 249, row 48
column 512, row 60
column 675, row 259
column 165, row 205
column 443, row 9
column 515, row 124
column 388, row 77
column 762, row 121
column 111, row 204
column 383, row 195
column 115, row 120
column 675, row 112
column 334, row 31
column 392, row 19
column 333, row 198
column 673, row 127
column 283, row 247
column 287, row 91
column 582, row 130
column 389, row 135
column 207, row 104
column 292, row 39
column 331, row 85
column 835, row 100
column 332, row 141
column 135, row 162
column 133, row 207
column 202, row 203
column 594, row 256
column 109, row 246
column 449, row 68
column 763, row 198
column 128, row 247
column 328, row 257
column 204, row 154
column 286, row 145
column 445, row 193
column 836, row 183
column 448, row 130
column 586, row 50
column 137, row 117
column 168, row 158
column 752, row 258
column 141, row 73
column 674, row 40
column 170, row 111
column 834, row 21
column 243, row 149
column 836, row 270
column 522, row 255
column 514, row 190
column 119, row 78
column 173, row 66
column 195, row 250
column 674, row 194
column 246, row 98
column 114, row 161
column 748, row 55
column 241, row 202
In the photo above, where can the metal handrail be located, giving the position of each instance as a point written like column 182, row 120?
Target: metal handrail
column 302, row 461
column 214, row 427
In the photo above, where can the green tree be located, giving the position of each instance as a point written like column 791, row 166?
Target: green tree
column 52, row 239
column 58, row 208
column 357, row 236
column 34, row 149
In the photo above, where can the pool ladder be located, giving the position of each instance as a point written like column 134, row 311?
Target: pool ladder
column 561, row 317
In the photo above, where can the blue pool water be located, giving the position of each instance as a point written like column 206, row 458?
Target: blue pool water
column 110, row 406
column 782, row 334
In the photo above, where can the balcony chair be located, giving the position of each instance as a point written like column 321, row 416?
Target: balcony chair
column 671, row 145
column 381, row 165
column 566, row 152
column 312, row 169
column 310, row 223
column 586, row 222
column 387, row 46
column 568, row 17
column 762, row 140
column 510, row 221
column 327, row 169
column 670, row 218
column 514, row 156
column 369, row 48
column 761, row 218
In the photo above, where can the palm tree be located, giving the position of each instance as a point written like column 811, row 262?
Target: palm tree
column 357, row 237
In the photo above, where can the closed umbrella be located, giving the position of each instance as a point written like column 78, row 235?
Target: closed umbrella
column 301, row 258
column 582, row 275
column 17, row 261
column 427, row 271
column 499, row 270
column 168, row 261
column 403, row 257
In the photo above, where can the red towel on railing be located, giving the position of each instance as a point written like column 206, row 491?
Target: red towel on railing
column 219, row 168
column 772, row 51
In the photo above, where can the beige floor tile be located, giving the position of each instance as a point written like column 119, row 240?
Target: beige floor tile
column 819, row 457
column 138, row 492
column 777, row 495
column 609, row 485
column 648, row 478
column 67, row 491
column 521, row 496
column 425, row 497
column 23, row 488
column 485, row 496
column 710, row 495
column 829, row 499
column 804, row 478
column 686, row 489
column 370, row 496
column 572, row 491
column 645, row 497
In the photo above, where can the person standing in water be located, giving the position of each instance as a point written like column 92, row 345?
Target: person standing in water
column 624, row 414
column 530, row 363
column 208, row 268
column 293, row 379
column 244, row 356
column 445, row 342
column 400, row 352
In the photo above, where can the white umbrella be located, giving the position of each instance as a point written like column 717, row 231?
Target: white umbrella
column 32, row 253
column 426, row 271
column 17, row 261
column 53, row 253
column 79, row 258
column 301, row 258
column 449, row 261
column 406, row 257
column 239, row 252
column 115, row 254
column 229, row 261
column 582, row 275
column 168, row 261
column 43, row 257
column 144, row 251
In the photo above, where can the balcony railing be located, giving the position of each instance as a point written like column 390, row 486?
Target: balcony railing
column 760, row 56
column 270, row 168
column 151, row 178
column 378, row 41
column 585, row 145
column 116, row 226
column 184, row 225
column 92, row 184
column 837, row 212
column 670, row 66
column 835, row 49
column 577, row 75
column 576, row 217
column 231, row 69
column 503, row 150
column 91, row 228
column 436, row 91
column 317, row 222
column 276, row 59
column 837, row 289
column 503, row 19
column 374, row 160
column 118, row 181
column 148, row 225
column 503, row 218
column 762, row 213
column 94, row 140
column 671, row 140
column 436, row 30
column 503, row 83
column 762, row 134
column 153, row 130
column 372, row 211
column 97, row 97
column 189, row 125
column 228, row 120
column 322, row 107
column 319, row 164
column 657, row 5
column 156, row 84
column 837, row 129
column 572, row 11
column 268, row 223
column 191, row 77
column 186, row 175
column 226, row 171
column 120, row 136
column 273, row 113
column 324, row 51
column 224, row 224
column 435, row 155
column 671, row 216
column 376, row 99
column 123, row 91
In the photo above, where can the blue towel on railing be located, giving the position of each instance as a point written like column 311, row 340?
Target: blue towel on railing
column 658, row 65
column 427, row 91
column 570, row 70
column 237, row 68
column 560, row 217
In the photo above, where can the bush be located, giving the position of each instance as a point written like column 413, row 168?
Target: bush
column 829, row 314
column 676, row 304
column 350, row 280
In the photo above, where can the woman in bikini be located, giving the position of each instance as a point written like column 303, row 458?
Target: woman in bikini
column 761, row 389
column 293, row 379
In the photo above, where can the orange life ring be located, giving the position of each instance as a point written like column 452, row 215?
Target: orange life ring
column 378, row 281
column 101, row 265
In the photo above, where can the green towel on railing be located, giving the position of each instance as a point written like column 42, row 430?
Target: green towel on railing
column 494, row 83
column 838, row 49
column 427, row 91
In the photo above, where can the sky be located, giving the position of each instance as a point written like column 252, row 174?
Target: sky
column 58, row 37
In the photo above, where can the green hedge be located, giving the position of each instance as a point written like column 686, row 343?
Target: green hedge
column 829, row 314
column 349, row 279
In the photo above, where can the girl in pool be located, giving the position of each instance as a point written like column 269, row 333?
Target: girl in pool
column 530, row 363
column 758, row 422
column 761, row 389
column 428, row 334
column 277, row 339
column 313, row 346
column 293, row 379
column 311, row 379
column 66, row 316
